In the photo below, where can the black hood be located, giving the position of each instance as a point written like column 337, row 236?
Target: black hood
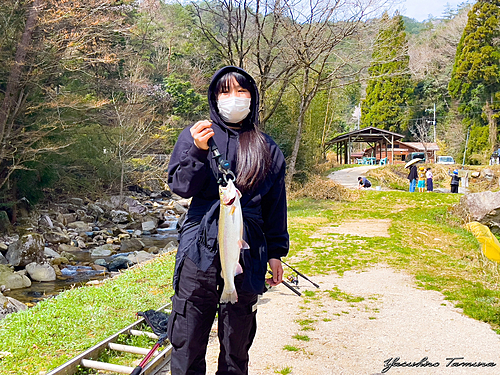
column 253, row 117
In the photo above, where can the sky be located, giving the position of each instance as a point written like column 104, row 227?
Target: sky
column 421, row 9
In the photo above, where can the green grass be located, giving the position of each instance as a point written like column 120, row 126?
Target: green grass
column 301, row 337
column 284, row 371
column 426, row 240
column 338, row 295
column 57, row 329
column 291, row 348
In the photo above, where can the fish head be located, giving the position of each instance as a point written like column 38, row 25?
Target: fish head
column 228, row 193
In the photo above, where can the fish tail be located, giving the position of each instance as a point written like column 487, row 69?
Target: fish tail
column 229, row 296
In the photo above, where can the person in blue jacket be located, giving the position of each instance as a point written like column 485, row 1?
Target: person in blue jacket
column 455, row 181
column 259, row 167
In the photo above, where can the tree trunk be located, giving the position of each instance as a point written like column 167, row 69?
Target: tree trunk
column 298, row 136
column 14, row 80
column 492, row 124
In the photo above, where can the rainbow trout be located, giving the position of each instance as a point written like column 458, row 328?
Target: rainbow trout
column 230, row 238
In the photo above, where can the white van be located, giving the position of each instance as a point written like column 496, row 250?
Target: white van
column 445, row 160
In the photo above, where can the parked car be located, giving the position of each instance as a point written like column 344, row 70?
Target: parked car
column 445, row 160
column 414, row 155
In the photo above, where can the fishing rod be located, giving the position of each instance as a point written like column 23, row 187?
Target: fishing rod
column 288, row 286
column 298, row 273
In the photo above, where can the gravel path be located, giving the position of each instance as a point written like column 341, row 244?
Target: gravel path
column 394, row 322
column 395, row 319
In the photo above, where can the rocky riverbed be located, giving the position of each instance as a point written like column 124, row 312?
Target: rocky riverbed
column 66, row 244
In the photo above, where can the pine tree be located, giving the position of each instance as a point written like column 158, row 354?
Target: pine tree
column 389, row 87
column 475, row 80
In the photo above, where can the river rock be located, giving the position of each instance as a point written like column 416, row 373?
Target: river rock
column 140, row 256
column 45, row 221
column 82, row 216
column 104, row 250
column 99, row 268
column 483, row 207
column 41, row 272
column 80, row 226
column 134, row 207
column 13, row 280
column 101, row 263
column 149, row 226
column 68, row 256
column 123, row 236
column 58, row 261
column 5, row 225
column 49, row 253
column 76, row 201
column 10, row 305
column 3, row 260
column 95, row 210
column 29, row 248
column 119, row 263
column 3, row 247
column 68, row 248
column 120, row 217
column 181, row 206
column 57, row 270
column 171, row 246
column 153, row 250
column 56, row 237
column 70, row 218
column 488, row 174
column 132, row 244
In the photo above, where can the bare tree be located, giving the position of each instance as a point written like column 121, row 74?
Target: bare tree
column 74, row 38
column 319, row 33
column 249, row 34
column 421, row 132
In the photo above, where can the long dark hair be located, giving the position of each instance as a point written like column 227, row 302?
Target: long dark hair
column 254, row 155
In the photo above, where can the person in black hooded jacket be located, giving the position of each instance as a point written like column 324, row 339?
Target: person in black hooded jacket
column 259, row 167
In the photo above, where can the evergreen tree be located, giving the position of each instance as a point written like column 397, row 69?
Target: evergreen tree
column 475, row 80
column 389, row 86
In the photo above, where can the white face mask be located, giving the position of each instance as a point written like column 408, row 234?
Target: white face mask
column 234, row 109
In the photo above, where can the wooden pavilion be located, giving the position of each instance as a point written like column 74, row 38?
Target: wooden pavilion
column 372, row 136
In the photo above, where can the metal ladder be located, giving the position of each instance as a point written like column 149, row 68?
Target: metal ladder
column 87, row 358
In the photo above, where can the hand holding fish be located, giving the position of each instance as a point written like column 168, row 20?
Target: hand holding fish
column 277, row 270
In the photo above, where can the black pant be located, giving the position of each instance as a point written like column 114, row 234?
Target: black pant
column 193, row 311
column 454, row 188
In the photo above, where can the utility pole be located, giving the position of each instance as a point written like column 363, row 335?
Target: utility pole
column 434, row 122
column 466, row 145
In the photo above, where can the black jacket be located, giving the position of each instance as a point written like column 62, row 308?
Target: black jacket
column 455, row 180
column 192, row 173
column 413, row 175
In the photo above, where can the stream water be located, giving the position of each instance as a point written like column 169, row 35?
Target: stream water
column 78, row 276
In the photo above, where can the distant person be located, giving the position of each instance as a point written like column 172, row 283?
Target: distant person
column 412, row 176
column 430, row 182
column 363, row 183
column 455, row 181
column 421, row 179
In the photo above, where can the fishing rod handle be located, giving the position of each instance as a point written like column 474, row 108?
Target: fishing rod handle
column 288, row 286
column 300, row 274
